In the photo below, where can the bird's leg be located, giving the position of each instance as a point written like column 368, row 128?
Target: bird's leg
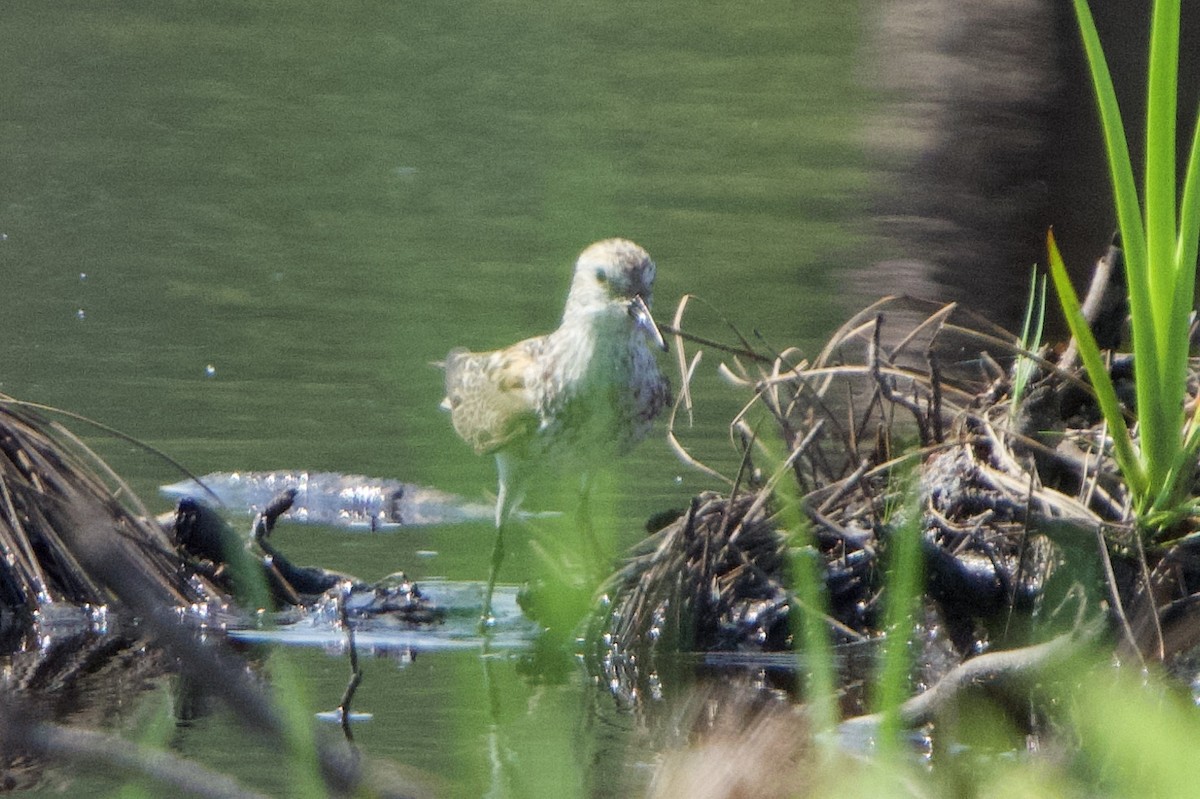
column 583, row 522
column 487, row 619
column 507, row 500
column 585, row 492
column 510, row 489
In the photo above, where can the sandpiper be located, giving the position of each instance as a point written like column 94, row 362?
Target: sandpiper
column 574, row 398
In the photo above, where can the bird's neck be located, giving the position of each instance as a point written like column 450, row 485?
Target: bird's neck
column 592, row 340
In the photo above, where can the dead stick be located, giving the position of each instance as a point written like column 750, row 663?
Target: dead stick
column 356, row 674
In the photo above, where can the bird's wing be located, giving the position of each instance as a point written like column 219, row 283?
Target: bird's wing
column 487, row 395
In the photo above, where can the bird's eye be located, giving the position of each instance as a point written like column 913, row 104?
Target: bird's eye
column 601, row 276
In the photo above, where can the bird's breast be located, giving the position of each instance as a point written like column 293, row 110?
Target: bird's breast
column 598, row 391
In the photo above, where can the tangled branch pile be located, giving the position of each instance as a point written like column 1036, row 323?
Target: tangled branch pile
column 67, row 523
column 1020, row 505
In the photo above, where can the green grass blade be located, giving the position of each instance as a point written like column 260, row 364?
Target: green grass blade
column 812, row 633
column 1183, row 263
column 301, row 763
column 810, row 630
column 1168, row 278
column 1031, row 335
column 902, row 596
column 1189, row 235
column 1160, row 162
column 1185, row 269
column 1106, row 395
column 1156, row 375
column 1038, row 329
column 1140, row 737
column 1120, row 168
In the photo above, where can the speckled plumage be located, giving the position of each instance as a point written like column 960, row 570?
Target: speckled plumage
column 587, row 392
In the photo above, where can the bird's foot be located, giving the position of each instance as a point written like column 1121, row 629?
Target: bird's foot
column 487, row 622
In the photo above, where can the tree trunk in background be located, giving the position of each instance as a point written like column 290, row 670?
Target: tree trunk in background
column 988, row 135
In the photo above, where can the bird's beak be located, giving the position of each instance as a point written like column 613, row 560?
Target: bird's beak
column 642, row 320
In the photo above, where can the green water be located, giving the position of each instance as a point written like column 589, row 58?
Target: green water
column 242, row 231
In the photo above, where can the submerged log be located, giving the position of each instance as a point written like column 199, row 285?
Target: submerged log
column 349, row 501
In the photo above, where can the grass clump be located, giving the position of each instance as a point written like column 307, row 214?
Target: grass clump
column 1159, row 237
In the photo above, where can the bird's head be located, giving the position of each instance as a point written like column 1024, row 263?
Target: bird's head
column 612, row 274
